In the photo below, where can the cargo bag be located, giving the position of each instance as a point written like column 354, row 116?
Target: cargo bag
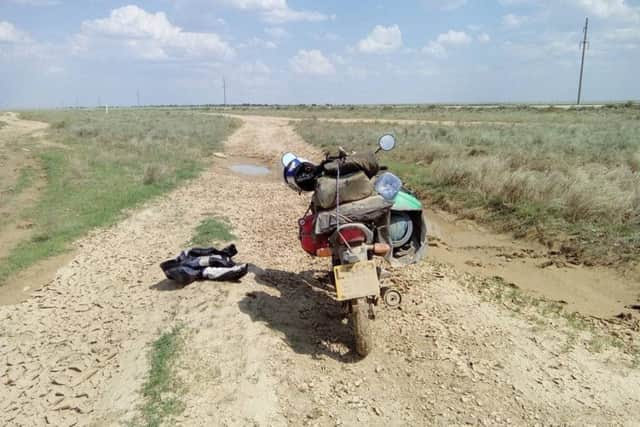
column 355, row 186
column 367, row 210
column 359, row 162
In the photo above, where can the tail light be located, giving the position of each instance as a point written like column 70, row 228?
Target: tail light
column 324, row 252
column 352, row 235
column 308, row 240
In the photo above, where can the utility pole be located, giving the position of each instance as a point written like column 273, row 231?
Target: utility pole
column 138, row 96
column 224, row 91
column 584, row 45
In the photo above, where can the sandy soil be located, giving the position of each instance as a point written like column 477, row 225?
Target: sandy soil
column 273, row 349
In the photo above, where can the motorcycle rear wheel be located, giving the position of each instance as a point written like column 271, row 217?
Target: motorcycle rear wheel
column 360, row 323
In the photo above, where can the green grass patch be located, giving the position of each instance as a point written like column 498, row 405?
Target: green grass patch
column 211, row 231
column 112, row 162
column 25, row 180
column 161, row 391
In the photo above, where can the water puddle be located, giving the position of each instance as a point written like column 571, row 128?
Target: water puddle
column 248, row 169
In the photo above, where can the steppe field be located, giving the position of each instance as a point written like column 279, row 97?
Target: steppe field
column 526, row 310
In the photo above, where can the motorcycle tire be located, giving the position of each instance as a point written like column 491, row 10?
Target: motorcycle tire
column 360, row 323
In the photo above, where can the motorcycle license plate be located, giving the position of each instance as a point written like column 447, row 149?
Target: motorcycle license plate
column 356, row 280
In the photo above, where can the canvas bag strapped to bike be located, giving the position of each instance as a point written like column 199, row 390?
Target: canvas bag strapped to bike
column 355, row 186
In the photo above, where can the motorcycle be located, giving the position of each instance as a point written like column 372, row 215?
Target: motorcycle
column 358, row 211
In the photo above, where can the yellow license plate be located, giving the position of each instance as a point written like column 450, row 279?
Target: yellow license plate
column 356, row 280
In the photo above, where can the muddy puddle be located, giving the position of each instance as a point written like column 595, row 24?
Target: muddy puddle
column 595, row 291
column 250, row 169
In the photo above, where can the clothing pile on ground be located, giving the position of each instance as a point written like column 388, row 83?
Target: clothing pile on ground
column 204, row 264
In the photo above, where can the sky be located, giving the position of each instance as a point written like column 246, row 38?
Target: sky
column 57, row 53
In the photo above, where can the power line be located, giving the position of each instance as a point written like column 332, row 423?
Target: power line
column 584, row 45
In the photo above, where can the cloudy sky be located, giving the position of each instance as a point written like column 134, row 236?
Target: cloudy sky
column 62, row 52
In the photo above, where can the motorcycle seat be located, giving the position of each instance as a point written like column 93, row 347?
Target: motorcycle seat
column 365, row 210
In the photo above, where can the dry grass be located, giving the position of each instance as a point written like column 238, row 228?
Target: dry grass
column 488, row 113
column 577, row 183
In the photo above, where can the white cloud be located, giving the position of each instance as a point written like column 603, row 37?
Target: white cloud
column 278, row 11
column 311, row 62
column 382, row 40
column 435, row 49
column 338, row 59
column 54, row 69
column 10, row 34
column 257, row 42
column 453, row 4
column 454, row 38
column 548, row 46
column 36, row 2
column 609, row 8
column 149, row 36
column 332, row 37
column 447, row 4
column 257, row 67
column 438, row 47
column 516, row 2
column 513, row 21
column 624, row 35
column 484, row 38
column 276, row 32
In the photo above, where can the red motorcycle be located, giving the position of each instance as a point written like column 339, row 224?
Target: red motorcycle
column 358, row 211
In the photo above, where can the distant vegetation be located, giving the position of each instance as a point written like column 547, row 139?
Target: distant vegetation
column 570, row 178
column 483, row 113
column 103, row 163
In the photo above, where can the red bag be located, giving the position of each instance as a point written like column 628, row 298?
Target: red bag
column 308, row 240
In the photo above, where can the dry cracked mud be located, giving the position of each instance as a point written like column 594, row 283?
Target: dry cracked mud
column 273, row 349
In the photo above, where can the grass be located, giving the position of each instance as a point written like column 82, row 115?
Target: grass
column 24, row 181
column 492, row 113
column 211, row 231
column 2, row 124
column 572, row 182
column 111, row 162
column 161, row 390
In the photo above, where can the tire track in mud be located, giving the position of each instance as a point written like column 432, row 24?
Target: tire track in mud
column 273, row 349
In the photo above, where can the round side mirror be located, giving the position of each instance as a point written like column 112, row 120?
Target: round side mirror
column 287, row 158
column 387, row 142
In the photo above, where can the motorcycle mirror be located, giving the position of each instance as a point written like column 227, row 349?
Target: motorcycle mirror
column 288, row 158
column 387, row 142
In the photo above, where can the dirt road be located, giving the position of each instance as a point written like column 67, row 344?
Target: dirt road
column 17, row 188
column 273, row 350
